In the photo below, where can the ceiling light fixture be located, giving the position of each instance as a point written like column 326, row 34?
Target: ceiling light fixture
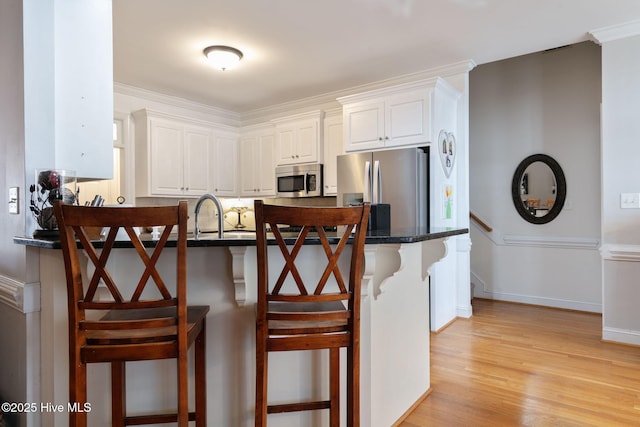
column 223, row 57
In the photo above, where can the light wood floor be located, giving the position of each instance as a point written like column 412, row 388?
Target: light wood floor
column 519, row 365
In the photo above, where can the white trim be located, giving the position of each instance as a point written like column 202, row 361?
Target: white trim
column 613, row 252
column 430, row 82
column 464, row 312
column 624, row 336
column 331, row 97
column 24, row 297
column 480, row 292
column 615, row 32
column 324, row 101
column 172, row 116
column 137, row 92
column 551, row 241
column 538, row 241
column 463, row 243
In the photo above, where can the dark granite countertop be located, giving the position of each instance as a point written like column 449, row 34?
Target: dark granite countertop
column 232, row 238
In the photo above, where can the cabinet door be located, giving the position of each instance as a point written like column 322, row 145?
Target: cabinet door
column 167, row 150
column 364, row 126
column 333, row 147
column 248, row 154
column 197, row 179
column 407, row 119
column 265, row 165
column 286, row 151
column 307, row 142
column 257, row 166
column 224, row 166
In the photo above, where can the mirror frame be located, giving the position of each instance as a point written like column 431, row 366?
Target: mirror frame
column 561, row 189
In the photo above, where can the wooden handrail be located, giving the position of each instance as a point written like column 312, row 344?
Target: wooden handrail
column 480, row 222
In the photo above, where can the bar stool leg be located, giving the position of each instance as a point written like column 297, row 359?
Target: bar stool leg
column 261, row 384
column 334, row 386
column 118, row 394
column 78, row 391
column 201, row 379
column 353, row 386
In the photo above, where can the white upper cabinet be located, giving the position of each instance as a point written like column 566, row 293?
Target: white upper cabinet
column 299, row 138
column 197, row 155
column 181, row 157
column 257, row 166
column 333, row 147
column 402, row 115
column 225, row 161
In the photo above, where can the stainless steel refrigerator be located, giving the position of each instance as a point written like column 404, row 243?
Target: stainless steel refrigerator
column 399, row 178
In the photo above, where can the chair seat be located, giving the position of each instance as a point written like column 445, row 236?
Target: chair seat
column 300, row 327
column 195, row 316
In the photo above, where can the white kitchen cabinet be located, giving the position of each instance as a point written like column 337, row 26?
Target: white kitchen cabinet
column 225, row 161
column 333, row 147
column 299, row 138
column 257, row 166
column 180, row 157
column 196, row 161
column 402, row 115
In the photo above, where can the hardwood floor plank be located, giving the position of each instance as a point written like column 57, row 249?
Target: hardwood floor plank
column 521, row 365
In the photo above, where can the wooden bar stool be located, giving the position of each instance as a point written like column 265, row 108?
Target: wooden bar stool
column 319, row 317
column 150, row 324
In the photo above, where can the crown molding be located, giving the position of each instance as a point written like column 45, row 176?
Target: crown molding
column 615, row 32
column 227, row 115
column 328, row 101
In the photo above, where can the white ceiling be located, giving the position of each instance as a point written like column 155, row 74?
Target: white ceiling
column 295, row 49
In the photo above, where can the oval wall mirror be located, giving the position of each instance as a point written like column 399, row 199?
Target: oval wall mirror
column 538, row 189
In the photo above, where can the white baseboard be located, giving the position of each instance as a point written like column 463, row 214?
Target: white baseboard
column 480, row 292
column 464, row 312
column 624, row 336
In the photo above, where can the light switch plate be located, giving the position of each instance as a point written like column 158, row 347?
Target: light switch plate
column 13, row 200
column 630, row 200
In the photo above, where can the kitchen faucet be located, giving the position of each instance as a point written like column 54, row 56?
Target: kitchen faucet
column 215, row 200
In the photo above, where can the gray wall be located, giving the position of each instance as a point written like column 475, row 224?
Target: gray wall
column 549, row 103
column 13, row 347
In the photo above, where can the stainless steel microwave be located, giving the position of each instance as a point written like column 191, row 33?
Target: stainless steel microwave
column 299, row 180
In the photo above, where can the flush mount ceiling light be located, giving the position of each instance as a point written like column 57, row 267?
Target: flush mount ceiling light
column 223, row 57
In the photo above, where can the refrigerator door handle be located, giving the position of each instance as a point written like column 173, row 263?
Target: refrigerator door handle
column 366, row 195
column 377, row 183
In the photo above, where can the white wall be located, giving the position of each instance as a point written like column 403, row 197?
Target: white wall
column 549, row 103
column 620, row 154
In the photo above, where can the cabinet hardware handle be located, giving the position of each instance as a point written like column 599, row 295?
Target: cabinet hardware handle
column 380, row 139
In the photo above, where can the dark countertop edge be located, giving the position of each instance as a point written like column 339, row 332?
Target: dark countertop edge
column 372, row 240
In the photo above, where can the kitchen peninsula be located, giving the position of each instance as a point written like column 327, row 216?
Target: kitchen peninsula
column 221, row 273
